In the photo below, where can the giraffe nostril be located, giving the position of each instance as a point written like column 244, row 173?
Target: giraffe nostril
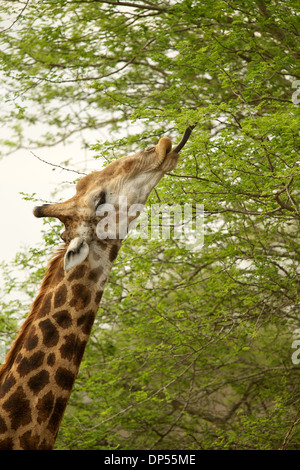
column 38, row 211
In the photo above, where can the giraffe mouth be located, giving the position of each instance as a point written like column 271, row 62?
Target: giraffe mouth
column 163, row 148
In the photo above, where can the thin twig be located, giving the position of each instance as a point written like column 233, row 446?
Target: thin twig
column 19, row 16
column 57, row 166
column 288, row 434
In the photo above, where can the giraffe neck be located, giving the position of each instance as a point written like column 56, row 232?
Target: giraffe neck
column 37, row 377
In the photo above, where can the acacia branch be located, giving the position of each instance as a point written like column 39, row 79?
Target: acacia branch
column 125, row 4
column 98, row 78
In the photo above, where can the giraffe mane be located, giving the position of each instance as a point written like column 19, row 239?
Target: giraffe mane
column 52, row 267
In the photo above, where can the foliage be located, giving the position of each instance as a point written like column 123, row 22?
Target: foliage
column 191, row 349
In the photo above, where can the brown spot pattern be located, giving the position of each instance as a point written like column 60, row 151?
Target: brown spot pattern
column 64, row 378
column 95, row 274
column 3, row 426
column 81, row 297
column 28, row 364
column 68, row 348
column 86, row 322
column 79, row 352
column 29, row 441
column 18, row 409
column 63, row 318
column 113, row 252
column 38, row 381
column 77, row 273
column 7, row 384
column 6, row 444
column 18, row 358
column 46, row 306
column 45, row 407
column 98, row 297
column 50, row 333
column 51, row 359
column 57, row 414
column 60, row 296
column 31, row 340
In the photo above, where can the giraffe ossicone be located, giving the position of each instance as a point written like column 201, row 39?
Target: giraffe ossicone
column 39, row 371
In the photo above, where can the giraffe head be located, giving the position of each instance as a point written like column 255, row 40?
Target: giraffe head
column 118, row 191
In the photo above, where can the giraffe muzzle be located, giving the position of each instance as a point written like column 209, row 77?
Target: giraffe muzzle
column 39, row 211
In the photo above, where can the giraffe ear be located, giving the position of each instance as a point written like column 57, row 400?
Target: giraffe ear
column 76, row 253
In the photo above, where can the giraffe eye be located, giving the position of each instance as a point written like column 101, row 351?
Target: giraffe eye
column 101, row 199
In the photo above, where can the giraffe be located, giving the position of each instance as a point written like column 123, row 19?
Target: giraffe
column 39, row 371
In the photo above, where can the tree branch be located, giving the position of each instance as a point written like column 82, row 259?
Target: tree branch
column 57, row 166
column 126, row 4
column 18, row 17
column 288, row 434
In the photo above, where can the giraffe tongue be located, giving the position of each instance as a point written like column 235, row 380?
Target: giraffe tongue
column 184, row 139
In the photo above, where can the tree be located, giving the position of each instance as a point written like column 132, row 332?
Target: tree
column 191, row 349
